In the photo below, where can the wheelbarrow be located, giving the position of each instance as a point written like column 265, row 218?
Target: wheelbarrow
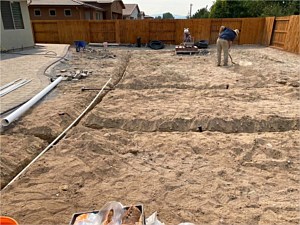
column 79, row 45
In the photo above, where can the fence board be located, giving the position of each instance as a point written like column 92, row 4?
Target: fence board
column 45, row 32
column 130, row 30
column 201, row 29
column 102, row 31
column 70, row 30
column 163, row 30
column 252, row 31
column 215, row 25
column 268, row 29
column 292, row 36
column 278, row 37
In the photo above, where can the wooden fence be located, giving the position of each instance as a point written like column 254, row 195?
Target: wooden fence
column 279, row 32
column 286, row 34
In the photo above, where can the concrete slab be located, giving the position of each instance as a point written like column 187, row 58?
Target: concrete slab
column 28, row 64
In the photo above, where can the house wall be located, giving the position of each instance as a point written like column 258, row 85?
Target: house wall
column 117, row 10
column 77, row 13
column 19, row 38
column 135, row 14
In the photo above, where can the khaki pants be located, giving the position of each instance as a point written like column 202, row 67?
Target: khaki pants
column 222, row 45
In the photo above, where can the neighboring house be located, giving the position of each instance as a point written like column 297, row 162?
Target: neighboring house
column 16, row 31
column 146, row 17
column 142, row 15
column 131, row 12
column 64, row 10
column 112, row 8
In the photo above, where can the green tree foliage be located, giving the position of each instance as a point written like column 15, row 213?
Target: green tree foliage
column 201, row 13
column 281, row 8
column 158, row 17
column 168, row 15
column 229, row 9
column 253, row 8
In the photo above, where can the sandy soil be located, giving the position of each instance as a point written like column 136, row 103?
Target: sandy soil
column 195, row 142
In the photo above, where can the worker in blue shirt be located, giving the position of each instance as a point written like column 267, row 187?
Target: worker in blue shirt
column 226, row 37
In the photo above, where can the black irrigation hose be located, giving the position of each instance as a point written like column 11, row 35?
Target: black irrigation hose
column 156, row 45
column 11, row 109
column 54, row 54
column 231, row 59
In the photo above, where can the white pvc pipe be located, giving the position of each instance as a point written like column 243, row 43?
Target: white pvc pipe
column 14, row 87
column 16, row 114
column 9, row 84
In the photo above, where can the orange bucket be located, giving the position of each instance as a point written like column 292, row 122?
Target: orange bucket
column 5, row 220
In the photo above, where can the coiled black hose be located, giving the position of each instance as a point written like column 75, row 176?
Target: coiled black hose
column 156, row 45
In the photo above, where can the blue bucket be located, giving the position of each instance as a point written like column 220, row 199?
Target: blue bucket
column 79, row 45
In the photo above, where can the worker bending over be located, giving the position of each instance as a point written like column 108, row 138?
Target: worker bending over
column 226, row 37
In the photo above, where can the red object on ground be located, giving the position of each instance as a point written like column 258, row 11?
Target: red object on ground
column 5, row 220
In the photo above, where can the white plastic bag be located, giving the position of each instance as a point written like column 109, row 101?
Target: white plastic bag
column 152, row 220
column 87, row 219
column 186, row 224
column 117, row 209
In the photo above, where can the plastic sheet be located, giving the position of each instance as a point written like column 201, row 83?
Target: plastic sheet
column 111, row 213
column 152, row 220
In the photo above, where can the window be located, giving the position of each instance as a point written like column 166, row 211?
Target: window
column 52, row 12
column 11, row 15
column 99, row 16
column 37, row 12
column 68, row 12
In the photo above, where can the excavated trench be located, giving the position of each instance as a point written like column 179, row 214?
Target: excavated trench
column 242, row 125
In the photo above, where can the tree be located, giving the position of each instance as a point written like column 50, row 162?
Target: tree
column 201, row 13
column 281, row 8
column 158, row 17
column 228, row 9
column 168, row 15
column 254, row 8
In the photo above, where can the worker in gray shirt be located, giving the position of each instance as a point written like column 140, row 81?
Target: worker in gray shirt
column 226, row 37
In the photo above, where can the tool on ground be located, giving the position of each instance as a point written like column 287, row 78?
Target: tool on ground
column 95, row 89
column 231, row 59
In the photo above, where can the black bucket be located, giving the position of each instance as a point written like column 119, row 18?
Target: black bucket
column 138, row 42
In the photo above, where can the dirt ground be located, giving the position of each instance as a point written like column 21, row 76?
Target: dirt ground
column 196, row 142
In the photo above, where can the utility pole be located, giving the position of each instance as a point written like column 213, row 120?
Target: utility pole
column 191, row 10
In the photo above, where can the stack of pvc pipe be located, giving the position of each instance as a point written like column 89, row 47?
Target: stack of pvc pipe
column 7, row 88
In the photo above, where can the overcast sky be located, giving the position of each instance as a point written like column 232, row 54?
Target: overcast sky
column 176, row 7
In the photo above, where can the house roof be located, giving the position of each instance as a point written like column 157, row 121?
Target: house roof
column 149, row 17
column 55, row 2
column 63, row 2
column 129, row 9
column 105, row 1
column 99, row 1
